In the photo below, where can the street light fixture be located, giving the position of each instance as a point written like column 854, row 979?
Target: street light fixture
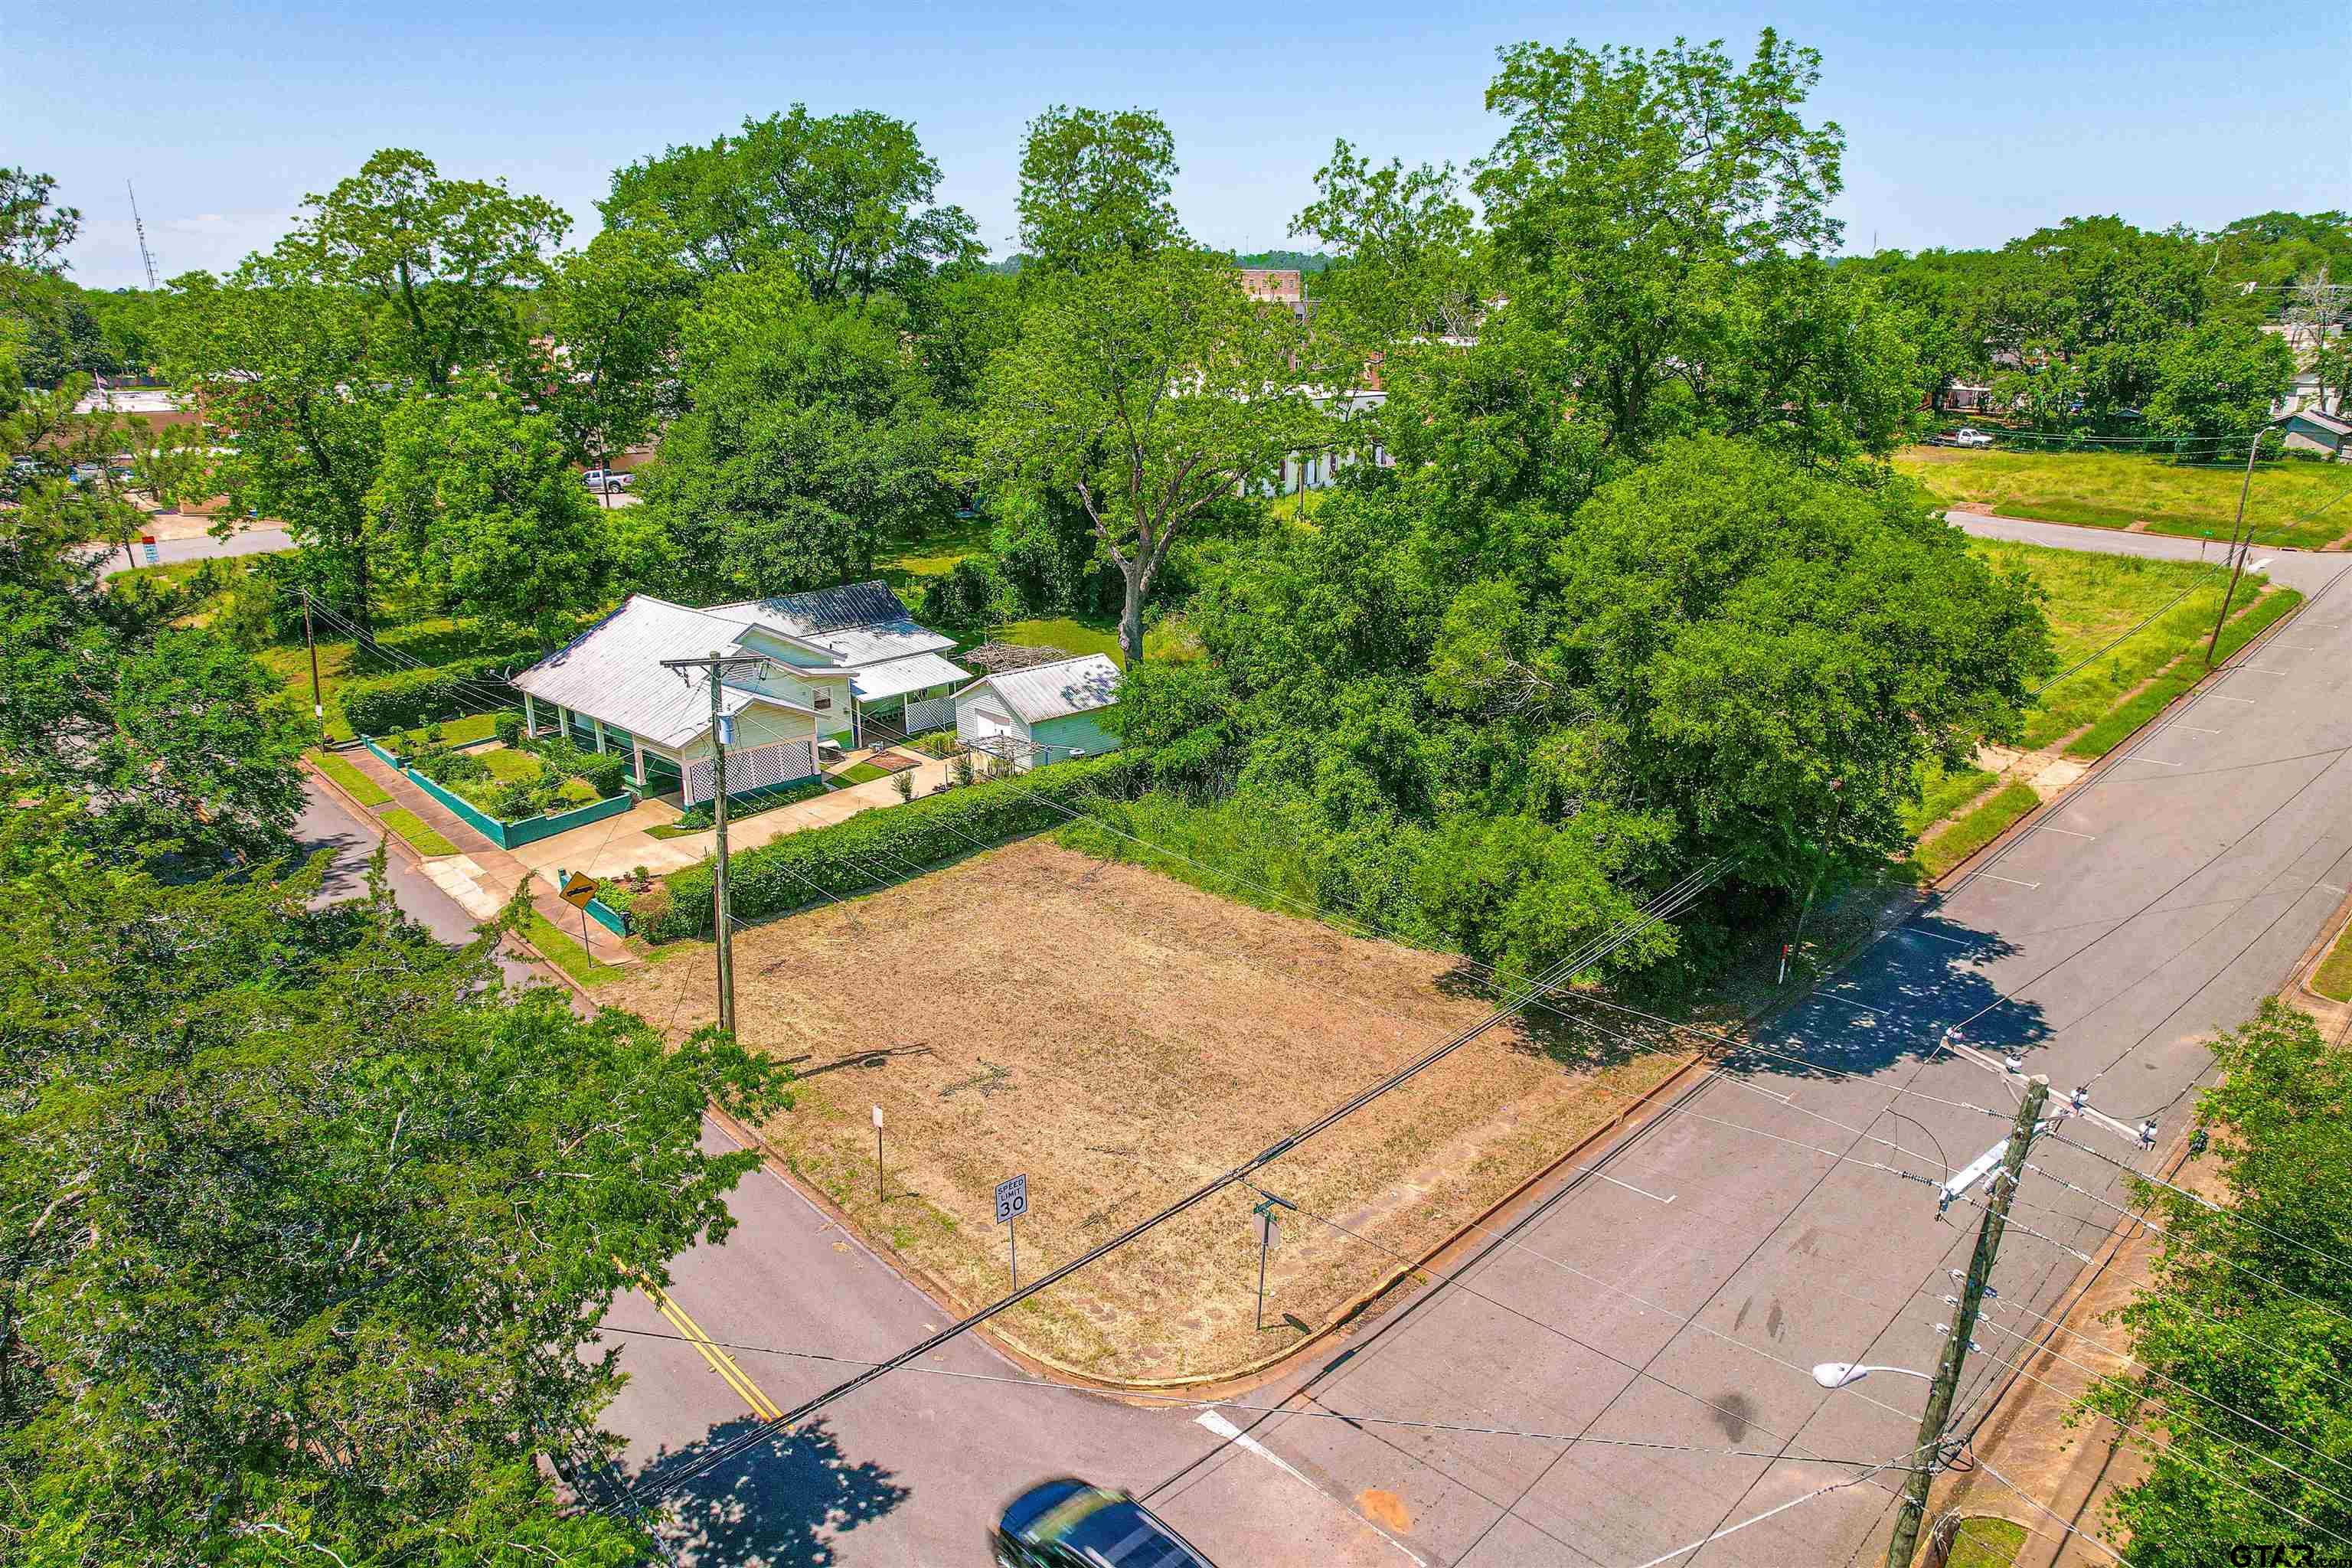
column 1838, row 1373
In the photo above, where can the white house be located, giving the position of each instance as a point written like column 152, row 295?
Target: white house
column 833, row 663
column 1045, row 713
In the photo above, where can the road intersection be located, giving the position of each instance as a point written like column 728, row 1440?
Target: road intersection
column 1665, row 1304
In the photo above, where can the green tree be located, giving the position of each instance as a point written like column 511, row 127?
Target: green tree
column 441, row 262
column 612, row 321
column 813, row 435
column 1413, row 260
column 2218, row 380
column 1150, row 389
column 1659, row 223
column 845, row 199
column 34, row 230
column 483, row 500
column 283, row 366
column 309, row 1229
column 1095, row 188
column 2242, row 1338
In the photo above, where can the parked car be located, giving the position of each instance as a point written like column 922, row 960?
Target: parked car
column 605, row 481
column 1068, row 1523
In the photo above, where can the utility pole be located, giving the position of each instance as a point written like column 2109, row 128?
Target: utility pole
column 2003, row 1185
column 318, row 706
column 2237, row 555
column 714, row 668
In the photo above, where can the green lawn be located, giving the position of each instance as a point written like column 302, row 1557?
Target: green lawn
column 864, row 772
column 1942, row 793
column 2335, row 976
column 509, row 765
column 435, row 640
column 905, row 562
column 355, row 783
column 1167, row 638
column 418, row 832
column 462, row 732
column 2290, row 502
column 1986, row 1544
column 2094, row 600
column 565, row 951
column 1972, row 833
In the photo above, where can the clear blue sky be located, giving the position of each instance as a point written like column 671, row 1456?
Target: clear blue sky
column 1966, row 125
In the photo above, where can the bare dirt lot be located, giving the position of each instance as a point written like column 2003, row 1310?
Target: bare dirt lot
column 1119, row 1036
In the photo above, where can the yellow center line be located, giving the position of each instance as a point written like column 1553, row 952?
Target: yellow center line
column 720, row 1362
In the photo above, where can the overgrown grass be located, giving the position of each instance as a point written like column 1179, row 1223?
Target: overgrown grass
column 433, row 641
column 911, row 558
column 1942, row 793
column 2183, row 673
column 464, row 731
column 565, row 951
column 2112, row 490
column 353, row 782
column 1166, row 638
column 1974, row 831
column 1986, row 1544
column 419, row 833
column 2094, row 601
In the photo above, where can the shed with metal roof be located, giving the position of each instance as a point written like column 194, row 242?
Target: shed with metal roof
column 1046, row 713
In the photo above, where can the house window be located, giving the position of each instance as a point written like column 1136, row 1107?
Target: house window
column 821, row 702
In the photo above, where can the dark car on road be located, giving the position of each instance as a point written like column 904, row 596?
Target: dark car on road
column 1068, row 1523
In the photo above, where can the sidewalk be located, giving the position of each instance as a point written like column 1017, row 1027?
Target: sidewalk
column 482, row 877
column 620, row 845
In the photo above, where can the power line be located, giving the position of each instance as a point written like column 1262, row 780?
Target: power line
column 1661, row 908
column 1182, row 1402
column 2207, row 1204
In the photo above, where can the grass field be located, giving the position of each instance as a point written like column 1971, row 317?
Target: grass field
column 433, row 641
column 2334, row 977
column 1986, row 1544
column 2302, row 504
column 355, row 783
column 1119, row 1037
column 2094, row 600
column 419, row 833
column 565, row 951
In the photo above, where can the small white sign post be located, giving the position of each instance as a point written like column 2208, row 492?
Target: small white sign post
column 1011, row 1203
column 877, row 1154
column 1269, row 1236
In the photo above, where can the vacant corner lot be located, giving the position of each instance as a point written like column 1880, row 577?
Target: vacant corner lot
column 2303, row 504
column 1119, row 1036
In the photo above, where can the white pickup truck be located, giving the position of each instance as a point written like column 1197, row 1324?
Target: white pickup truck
column 604, row 481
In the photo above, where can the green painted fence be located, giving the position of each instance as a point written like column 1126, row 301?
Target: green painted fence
column 509, row 835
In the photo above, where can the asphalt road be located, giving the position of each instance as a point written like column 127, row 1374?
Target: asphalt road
column 203, row 547
column 326, row 823
column 1780, row 1214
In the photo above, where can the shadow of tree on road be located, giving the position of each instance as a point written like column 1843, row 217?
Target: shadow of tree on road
column 779, row 1504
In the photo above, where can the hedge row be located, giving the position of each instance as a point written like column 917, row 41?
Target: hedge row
column 383, row 703
column 852, row 855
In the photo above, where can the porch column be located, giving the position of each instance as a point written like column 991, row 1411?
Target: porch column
column 597, row 725
column 529, row 716
column 637, row 759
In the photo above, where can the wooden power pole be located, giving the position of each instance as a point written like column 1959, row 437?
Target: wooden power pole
column 714, row 668
column 1914, row 1510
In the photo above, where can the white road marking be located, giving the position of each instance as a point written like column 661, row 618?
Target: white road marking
column 1850, row 1002
column 2261, row 669
column 2159, row 761
column 2262, row 562
column 1243, row 1440
column 2192, row 730
column 1631, row 1188
column 2011, row 880
column 2247, row 701
column 2067, row 831
column 1937, row 936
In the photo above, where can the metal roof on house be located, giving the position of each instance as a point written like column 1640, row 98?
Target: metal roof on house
column 1056, row 690
column 873, row 682
column 612, row 671
column 859, row 622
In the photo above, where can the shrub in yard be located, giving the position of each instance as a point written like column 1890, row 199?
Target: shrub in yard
column 603, row 771
column 903, row 781
column 381, row 704
column 508, row 728
column 843, row 859
column 650, row 910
